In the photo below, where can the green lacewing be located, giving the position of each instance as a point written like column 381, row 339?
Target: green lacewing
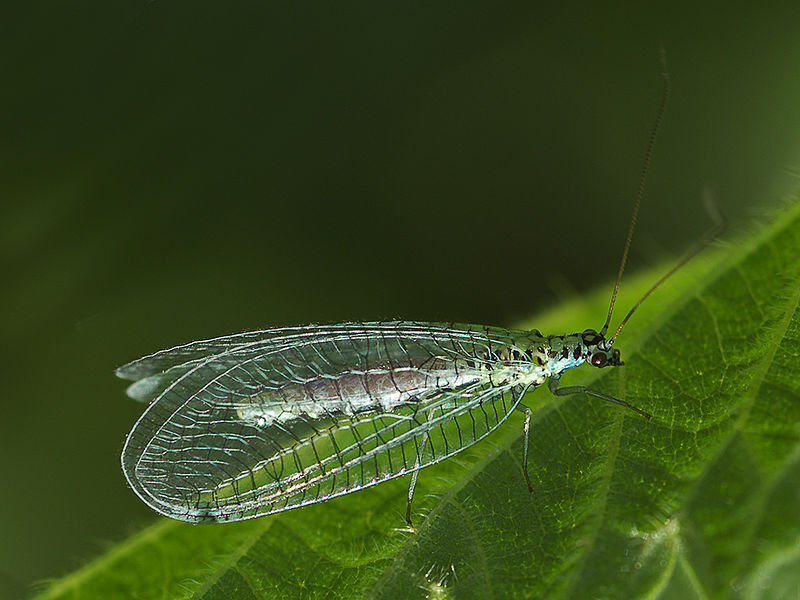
column 256, row 423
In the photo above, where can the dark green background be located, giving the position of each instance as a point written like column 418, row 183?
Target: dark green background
column 178, row 170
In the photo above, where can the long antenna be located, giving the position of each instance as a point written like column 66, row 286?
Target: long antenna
column 719, row 226
column 640, row 191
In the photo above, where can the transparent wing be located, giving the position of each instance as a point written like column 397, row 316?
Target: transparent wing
column 152, row 374
column 285, row 418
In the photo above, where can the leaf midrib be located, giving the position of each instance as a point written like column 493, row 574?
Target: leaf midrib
column 600, row 513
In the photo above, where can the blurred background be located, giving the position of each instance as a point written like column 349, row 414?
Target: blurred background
column 179, row 170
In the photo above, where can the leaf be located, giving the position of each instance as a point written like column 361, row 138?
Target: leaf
column 700, row 502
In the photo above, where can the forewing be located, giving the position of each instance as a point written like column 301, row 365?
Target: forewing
column 154, row 373
column 288, row 420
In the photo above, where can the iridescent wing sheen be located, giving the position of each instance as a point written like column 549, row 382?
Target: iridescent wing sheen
column 257, row 423
column 154, row 373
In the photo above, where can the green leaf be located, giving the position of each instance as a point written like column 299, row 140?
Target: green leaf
column 700, row 502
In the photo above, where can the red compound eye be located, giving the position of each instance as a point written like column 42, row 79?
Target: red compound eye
column 598, row 359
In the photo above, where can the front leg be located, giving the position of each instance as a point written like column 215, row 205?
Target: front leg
column 582, row 389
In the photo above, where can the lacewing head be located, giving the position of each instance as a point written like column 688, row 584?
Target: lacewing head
column 601, row 354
